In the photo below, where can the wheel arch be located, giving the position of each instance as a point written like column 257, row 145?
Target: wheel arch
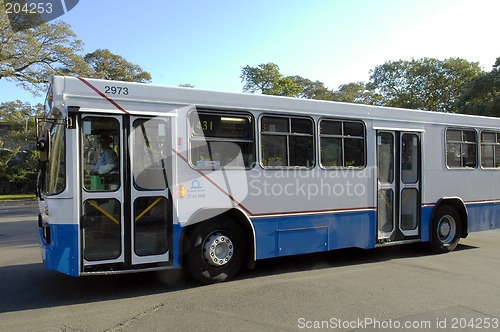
column 235, row 214
column 458, row 204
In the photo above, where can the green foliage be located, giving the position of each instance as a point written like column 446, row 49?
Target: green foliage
column 29, row 57
column 356, row 92
column 262, row 78
column 482, row 96
column 268, row 79
column 285, row 87
column 110, row 66
column 20, row 177
column 20, row 119
column 18, row 169
column 313, row 90
column 426, row 84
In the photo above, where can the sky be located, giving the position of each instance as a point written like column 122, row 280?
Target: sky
column 206, row 43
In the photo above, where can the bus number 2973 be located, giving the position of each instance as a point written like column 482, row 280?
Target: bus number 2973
column 115, row 90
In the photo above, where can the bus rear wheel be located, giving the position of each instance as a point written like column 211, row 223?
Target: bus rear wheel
column 216, row 250
column 445, row 230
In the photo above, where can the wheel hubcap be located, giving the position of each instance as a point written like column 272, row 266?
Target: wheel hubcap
column 218, row 249
column 446, row 229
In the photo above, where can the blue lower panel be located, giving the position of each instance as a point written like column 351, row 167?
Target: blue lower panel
column 425, row 225
column 483, row 217
column 291, row 235
column 177, row 233
column 302, row 240
column 62, row 253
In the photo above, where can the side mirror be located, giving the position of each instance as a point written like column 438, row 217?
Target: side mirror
column 42, row 145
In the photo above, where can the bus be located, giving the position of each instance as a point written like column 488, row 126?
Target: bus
column 211, row 182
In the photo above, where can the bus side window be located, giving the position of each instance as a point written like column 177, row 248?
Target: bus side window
column 287, row 142
column 461, row 150
column 342, row 143
column 221, row 140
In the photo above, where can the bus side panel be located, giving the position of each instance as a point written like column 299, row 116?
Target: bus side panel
column 62, row 253
column 293, row 235
column 483, row 217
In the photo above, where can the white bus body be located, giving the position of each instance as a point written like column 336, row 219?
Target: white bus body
column 211, row 181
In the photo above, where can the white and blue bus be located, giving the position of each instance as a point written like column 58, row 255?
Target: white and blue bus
column 210, row 182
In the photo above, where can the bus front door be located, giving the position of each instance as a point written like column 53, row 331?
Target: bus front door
column 399, row 180
column 126, row 217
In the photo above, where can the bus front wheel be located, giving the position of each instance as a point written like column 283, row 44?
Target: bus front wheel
column 445, row 230
column 216, row 250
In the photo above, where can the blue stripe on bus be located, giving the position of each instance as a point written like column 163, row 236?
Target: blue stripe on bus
column 290, row 235
column 280, row 236
column 62, row 254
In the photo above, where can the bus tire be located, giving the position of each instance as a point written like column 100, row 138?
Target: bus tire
column 445, row 230
column 216, row 250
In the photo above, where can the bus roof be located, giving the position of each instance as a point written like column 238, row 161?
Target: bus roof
column 141, row 98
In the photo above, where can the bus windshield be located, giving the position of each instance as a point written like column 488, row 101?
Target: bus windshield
column 53, row 170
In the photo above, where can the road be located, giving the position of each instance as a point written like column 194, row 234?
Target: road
column 365, row 290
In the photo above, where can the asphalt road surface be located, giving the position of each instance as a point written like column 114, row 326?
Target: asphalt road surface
column 393, row 288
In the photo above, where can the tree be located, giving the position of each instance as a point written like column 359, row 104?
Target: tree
column 18, row 167
column 427, row 83
column 107, row 65
column 268, row 79
column 20, row 118
column 356, row 92
column 482, row 96
column 313, row 90
column 262, row 78
column 30, row 56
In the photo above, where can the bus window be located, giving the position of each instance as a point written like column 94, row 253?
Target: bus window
column 221, row 140
column 460, row 148
column 342, row 143
column 101, row 150
column 490, row 149
column 287, row 142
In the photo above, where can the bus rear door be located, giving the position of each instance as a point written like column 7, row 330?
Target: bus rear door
column 399, row 185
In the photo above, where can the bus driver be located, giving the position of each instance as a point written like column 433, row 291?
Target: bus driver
column 107, row 160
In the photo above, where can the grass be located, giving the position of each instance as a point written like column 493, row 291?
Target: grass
column 17, row 196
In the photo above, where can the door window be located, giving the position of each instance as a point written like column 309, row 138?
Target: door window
column 150, row 227
column 102, row 229
column 150, row 148
column 101, row 154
